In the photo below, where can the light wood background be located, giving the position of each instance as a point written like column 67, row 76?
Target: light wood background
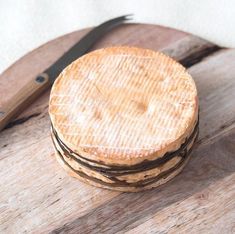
column 36, row 194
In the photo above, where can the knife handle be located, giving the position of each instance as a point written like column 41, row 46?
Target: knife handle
column 23, row 98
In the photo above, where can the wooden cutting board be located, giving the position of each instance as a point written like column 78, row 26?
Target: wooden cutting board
column 37, row 196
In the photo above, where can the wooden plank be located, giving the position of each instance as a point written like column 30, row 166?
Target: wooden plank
column 211, row 210
column 190, row 50
column 214, row 78
column 196, row 200
column 36, row 193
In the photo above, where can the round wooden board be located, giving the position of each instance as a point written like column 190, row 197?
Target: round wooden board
column 37, row 196
column 25, row 69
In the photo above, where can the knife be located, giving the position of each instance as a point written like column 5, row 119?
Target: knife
column 43, row 81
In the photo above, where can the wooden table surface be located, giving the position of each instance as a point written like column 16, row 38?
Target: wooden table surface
column 37, row 196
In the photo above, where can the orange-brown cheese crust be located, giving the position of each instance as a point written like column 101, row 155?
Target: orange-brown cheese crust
column 124, row 107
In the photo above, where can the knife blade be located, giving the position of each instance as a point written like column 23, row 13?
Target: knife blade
column 44, row 80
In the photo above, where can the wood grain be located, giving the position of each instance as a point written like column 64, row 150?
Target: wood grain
column 37, row 196
column 205, row 211
column 214, row 78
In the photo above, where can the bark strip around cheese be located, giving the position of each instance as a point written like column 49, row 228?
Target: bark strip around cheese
column 122, row 106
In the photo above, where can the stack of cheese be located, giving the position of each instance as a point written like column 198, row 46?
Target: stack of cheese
column 124, row 118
